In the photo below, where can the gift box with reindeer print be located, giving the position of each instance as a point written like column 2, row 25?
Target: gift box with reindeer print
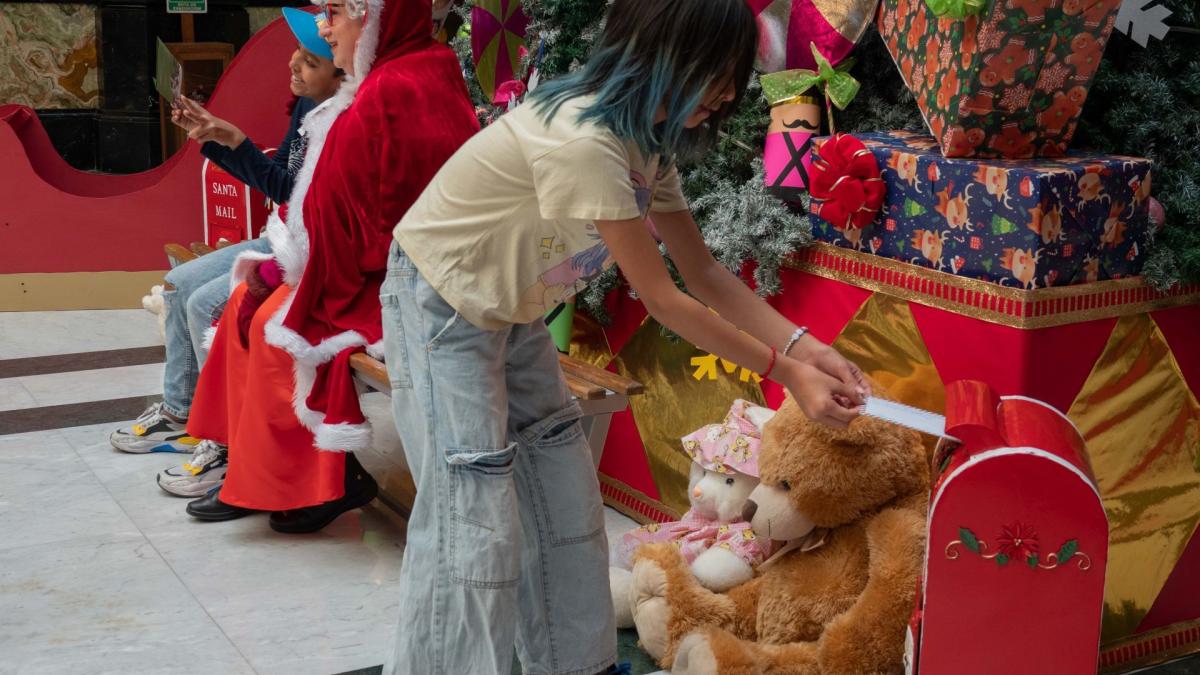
column 1025, row 223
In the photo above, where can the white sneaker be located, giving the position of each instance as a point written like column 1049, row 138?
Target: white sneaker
column 153, row 432
column 204, row 472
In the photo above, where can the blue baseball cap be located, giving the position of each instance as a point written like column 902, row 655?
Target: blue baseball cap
column 305, row 27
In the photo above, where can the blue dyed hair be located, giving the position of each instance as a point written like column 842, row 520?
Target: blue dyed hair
column 672, row 54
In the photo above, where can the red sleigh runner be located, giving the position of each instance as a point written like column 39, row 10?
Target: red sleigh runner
column 1017, row 544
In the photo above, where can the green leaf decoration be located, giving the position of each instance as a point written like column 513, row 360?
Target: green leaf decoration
column 1032, row 561
column 987, row 264
column 1068, row 549
column 1002, row 225
column 913, row 208
column 956, row 9
column 969, row 539
column 1002, row 560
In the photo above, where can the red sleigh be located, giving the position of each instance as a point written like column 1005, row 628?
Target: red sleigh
column 121, row 222
column 1018, row 544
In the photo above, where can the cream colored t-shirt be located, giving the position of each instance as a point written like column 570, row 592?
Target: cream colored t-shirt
column 505, row 231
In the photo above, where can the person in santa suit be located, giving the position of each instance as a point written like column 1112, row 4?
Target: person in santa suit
column 277, row 388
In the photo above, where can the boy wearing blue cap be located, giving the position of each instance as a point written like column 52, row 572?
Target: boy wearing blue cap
column 201, row 286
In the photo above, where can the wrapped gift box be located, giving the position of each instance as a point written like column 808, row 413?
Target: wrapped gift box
column 1028, row 223
column 1008, row 82
column 1121, row 360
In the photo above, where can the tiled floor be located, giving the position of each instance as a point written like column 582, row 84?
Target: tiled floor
column 102, row 572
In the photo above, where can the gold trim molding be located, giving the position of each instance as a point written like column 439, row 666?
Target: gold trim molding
column 1004, row 305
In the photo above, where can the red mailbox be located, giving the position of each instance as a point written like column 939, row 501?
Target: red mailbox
column 1017, row 547
column 233, row 211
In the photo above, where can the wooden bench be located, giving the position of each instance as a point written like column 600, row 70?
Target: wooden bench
column 600, row 393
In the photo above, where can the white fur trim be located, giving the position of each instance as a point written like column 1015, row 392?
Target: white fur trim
column 343, row 437
column 368, row 40
column 305, row 359
column 375, row 350
column 210, row 336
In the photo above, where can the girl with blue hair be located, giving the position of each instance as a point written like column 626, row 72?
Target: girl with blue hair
column 506, row 541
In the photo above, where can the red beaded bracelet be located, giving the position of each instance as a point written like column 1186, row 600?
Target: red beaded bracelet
column 770, row 366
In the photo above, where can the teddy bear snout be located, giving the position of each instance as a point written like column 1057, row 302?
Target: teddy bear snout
column 749, row 510
column 697, row 492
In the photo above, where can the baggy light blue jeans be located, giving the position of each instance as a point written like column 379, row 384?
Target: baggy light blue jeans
column 201, row 291
column 506, row 543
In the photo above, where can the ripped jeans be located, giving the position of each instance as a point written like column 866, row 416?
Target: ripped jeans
column 506, row 543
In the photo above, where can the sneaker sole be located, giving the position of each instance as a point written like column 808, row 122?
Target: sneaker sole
column 148, row 447
column 192, row 490
column 306, row 528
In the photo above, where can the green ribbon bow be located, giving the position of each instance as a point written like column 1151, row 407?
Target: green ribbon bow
column 956, row 9
column 835, row 83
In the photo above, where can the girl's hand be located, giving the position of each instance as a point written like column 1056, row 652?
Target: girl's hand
column 826, row 359
column 821, row 397
column 203, row 126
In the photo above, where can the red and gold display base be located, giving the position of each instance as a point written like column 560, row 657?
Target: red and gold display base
column 1122, row 360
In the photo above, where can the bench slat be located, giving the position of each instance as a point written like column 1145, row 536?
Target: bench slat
column 604, row 378
column 177, row 254
column 375, row 373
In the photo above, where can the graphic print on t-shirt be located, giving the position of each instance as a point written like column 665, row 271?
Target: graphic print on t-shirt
column 566, row 279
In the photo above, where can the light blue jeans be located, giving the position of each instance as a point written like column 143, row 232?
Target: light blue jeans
column 201, row 291
column 506, row 543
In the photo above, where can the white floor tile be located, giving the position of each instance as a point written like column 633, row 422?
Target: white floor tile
column 13, row 396
column 101, row 605
column 47, row 494
column 93, row 385
column 318, row 604
column 24, row 334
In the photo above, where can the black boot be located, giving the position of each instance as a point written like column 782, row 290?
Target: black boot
column 360, row 490
column 211, row 508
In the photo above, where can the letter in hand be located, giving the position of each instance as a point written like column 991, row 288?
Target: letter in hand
column 202, row 126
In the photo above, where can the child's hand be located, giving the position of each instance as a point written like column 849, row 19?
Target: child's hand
column 821, row 356
column 203, row 126
column 822, row 397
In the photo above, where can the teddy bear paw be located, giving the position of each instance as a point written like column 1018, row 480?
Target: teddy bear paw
column 620, row 582
column 651, row 612
column 695, row 657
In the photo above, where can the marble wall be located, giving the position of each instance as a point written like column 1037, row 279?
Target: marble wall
column 48, row 55
column 261, row 16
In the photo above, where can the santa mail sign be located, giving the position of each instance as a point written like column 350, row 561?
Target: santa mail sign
column 232, row 211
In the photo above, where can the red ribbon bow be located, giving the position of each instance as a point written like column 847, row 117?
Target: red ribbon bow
column 512, row 90
column 846, row 187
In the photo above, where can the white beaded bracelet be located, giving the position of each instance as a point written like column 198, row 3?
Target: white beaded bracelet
column 800, row 332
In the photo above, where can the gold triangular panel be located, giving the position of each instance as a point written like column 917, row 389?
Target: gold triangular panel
column 588, row 341
column 1142, row 426
column 675, row 403
column 884, row 341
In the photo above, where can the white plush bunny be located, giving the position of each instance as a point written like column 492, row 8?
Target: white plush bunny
column 154, row 304
column 722, row 548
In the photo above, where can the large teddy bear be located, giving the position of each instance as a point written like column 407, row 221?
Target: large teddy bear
column 835, row 600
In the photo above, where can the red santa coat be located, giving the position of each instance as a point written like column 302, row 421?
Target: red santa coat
column 372, row 149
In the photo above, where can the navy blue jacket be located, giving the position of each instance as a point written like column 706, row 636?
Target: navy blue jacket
column 271, row 176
